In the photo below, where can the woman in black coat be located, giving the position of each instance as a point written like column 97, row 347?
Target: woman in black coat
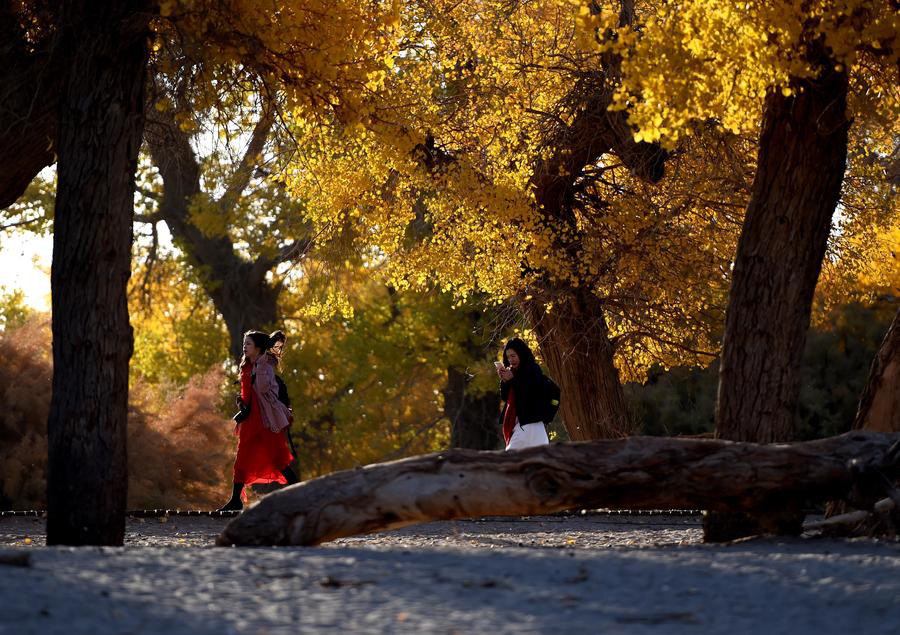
column 521, row 387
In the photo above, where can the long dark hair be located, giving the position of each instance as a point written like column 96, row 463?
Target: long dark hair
column 526, row 357
column 275, row 337
column 264, row 343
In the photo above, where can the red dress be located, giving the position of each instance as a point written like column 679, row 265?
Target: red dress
column 261, row 453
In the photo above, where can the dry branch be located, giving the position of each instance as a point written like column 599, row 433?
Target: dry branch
column 850, row 518
column 639, row 472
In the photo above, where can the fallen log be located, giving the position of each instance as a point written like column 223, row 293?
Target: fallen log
column 638, row 473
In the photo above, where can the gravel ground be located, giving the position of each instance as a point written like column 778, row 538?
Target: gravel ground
column 533, row 575
column 592, row 531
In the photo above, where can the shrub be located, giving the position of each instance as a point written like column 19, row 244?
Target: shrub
column 180, row 445
column 25, row 385
column 179, row 453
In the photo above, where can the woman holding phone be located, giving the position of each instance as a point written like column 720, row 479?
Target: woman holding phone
column 521, row 389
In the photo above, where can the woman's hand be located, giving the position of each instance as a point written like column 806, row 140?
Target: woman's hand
column 505, row 374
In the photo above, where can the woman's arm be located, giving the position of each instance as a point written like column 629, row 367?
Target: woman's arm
column 265, row 377
column 275, row 415
column 506, row 385
column 527, row 381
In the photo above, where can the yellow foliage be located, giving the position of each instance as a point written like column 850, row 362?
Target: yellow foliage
column 440, row 180
column 421, row 127
column 717, row 59
column 863, row 260
column 366, row 387
column 324, row 55
column 178, row 333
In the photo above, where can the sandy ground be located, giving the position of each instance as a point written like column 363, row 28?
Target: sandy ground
column 592, row 574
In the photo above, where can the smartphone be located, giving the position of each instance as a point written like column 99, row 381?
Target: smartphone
column 499, row 365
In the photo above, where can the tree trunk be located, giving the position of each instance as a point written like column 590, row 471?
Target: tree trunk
column 802, row 156
column 473, row 418
column 574, row 341
column 639, row 472
column 101, row 121
column 800, row 168
column 879, row 405
column 31, row 78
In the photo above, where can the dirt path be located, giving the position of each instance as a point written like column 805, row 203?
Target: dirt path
column 535, row 575
column 581, row 532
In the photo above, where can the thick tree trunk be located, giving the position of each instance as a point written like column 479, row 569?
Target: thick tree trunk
column 473, row 418
column 101, row 122
column 639, row 472
column 879, row 405
column 31, row 80
column 574, row 341
column 800, row 168
column 802, row 156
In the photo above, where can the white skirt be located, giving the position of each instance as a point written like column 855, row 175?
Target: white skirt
column 528, row 436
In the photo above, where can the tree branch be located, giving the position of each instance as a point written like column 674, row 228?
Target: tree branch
column 147, row 218
column 31, row 79
column 146, row 282
column 20, row 223
column 156, row 196
column 241, row 176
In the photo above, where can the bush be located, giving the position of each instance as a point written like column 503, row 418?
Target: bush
column 180, row 445
column 680, row 401
column 179, row 454
column 25, row 385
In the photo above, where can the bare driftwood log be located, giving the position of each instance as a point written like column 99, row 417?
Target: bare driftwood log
column 883, row 506
column 639, row 472
column 879, row 405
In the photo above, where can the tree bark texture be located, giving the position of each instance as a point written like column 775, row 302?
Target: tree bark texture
column 101, row 121
column 639, row 472
column 31, row 79
column 238, row 287
column 575, row 345
column 879, row 405
column 473, row 418
column 800, row 167
column 801, row 161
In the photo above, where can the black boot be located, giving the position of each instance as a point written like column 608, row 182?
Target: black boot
column 235, row 503
column 288, row 474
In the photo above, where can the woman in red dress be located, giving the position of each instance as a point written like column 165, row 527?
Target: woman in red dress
column 262, row 455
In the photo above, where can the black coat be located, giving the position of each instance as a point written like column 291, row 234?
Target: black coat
column 527, row 383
